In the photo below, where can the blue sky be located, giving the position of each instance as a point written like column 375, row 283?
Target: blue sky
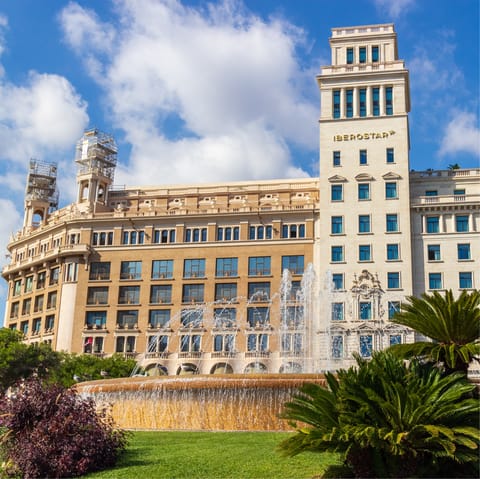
column 196, row 91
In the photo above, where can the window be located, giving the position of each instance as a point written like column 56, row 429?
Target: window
column 336, row 254
column 38, row 305
column 164, row 236
column 225, row 317
column 338, row 311
column 194, row 268
column 433, row 224
column 97, row 295
column 258, row 317
column 465, row 280
column 363, row 191
column 293, row 231
column 433, row 252
column 258, row 291
column 363, row 157
column 41, row 279
column 336, row 103
column 131, row 270
column 434, row 280
column 391, row 190
column 393, row 308
column 393, row 252
column 71, row 272
column 159, row 318
column 257, row 342
column 102, row 238
column 127, row 319
column 364, row 223
column 26, row 306
column 226, row 267
column 431, row 193
column 337, row 225
column 129, row 295
column 461, row 223
column 392, row 223
column 349, row 55
column 224, row 343
column 393, row 280
column 99, row 271
column 292, row 343
column 390, row 155
column 349, row 103
column 28, row 284
column 225, row 291
column 162, row 269
column 190, row 343
column 362, row 94
column 259, row 266
column 228, row 233
column 54, row 276
column 375, row 57
column 295, row 264
column 93, row 345
column 459, row 192
column 362, row 54
column 96, row 319
column 24, row 327
column 365, row 308
column 17, row 287
column 158, row 344
column 337, row 281
column 133, row 237
column 366, row 345
column 125, row 344
column 364, row 252
column 161, row 293
column 193, row 293
column 389, row 100
column 337, row 192
column 14, row 310
column 463, row 251
column 191, row 318
column 376, row 101
column 336, row 158
column 195, row 235
column 49, row 322
column 37, row 325
column 337, row 346
column 52, row 300
column 260, row 232
column 395, row 339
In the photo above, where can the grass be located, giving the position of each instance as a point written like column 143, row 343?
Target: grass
column 213, row 455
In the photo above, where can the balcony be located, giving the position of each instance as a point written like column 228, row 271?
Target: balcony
column 190, row 355
column 223, row 354
column 158, row 355
column 257, row 354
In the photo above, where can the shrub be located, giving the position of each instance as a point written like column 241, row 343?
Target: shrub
column 53, row 432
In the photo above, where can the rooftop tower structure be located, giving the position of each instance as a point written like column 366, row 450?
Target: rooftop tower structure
column 96, row 159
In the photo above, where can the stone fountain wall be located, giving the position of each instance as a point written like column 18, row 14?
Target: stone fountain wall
column 207, row 403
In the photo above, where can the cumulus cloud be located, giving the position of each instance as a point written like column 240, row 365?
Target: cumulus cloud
column 394, row 8
column 43, row 116
column 461, row 134
column 211, row 93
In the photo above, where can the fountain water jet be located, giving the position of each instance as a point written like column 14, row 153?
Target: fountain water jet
column 211, row 403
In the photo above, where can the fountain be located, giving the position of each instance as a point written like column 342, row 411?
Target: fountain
column 216, row 401
column 230, row 402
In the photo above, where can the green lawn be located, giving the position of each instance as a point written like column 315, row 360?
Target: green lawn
column 213, row 455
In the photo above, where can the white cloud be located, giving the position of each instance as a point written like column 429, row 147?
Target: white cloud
column 394, row 8
column 229, row 81
column 461, row 134
column 43, row 116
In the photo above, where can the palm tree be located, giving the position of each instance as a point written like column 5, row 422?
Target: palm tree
column 389, row 419
column 452, row 324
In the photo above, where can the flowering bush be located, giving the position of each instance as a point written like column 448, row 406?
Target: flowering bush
column 50, row 431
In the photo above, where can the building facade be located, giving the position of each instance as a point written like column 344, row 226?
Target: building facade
column 273, row 276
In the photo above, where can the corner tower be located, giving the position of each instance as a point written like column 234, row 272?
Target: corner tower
column 96, row 158
column 364, row 251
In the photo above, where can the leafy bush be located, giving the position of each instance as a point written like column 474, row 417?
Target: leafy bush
column 390, row 419
column 52, row 432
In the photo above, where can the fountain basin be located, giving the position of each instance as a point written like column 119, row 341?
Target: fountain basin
column 208, row 403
